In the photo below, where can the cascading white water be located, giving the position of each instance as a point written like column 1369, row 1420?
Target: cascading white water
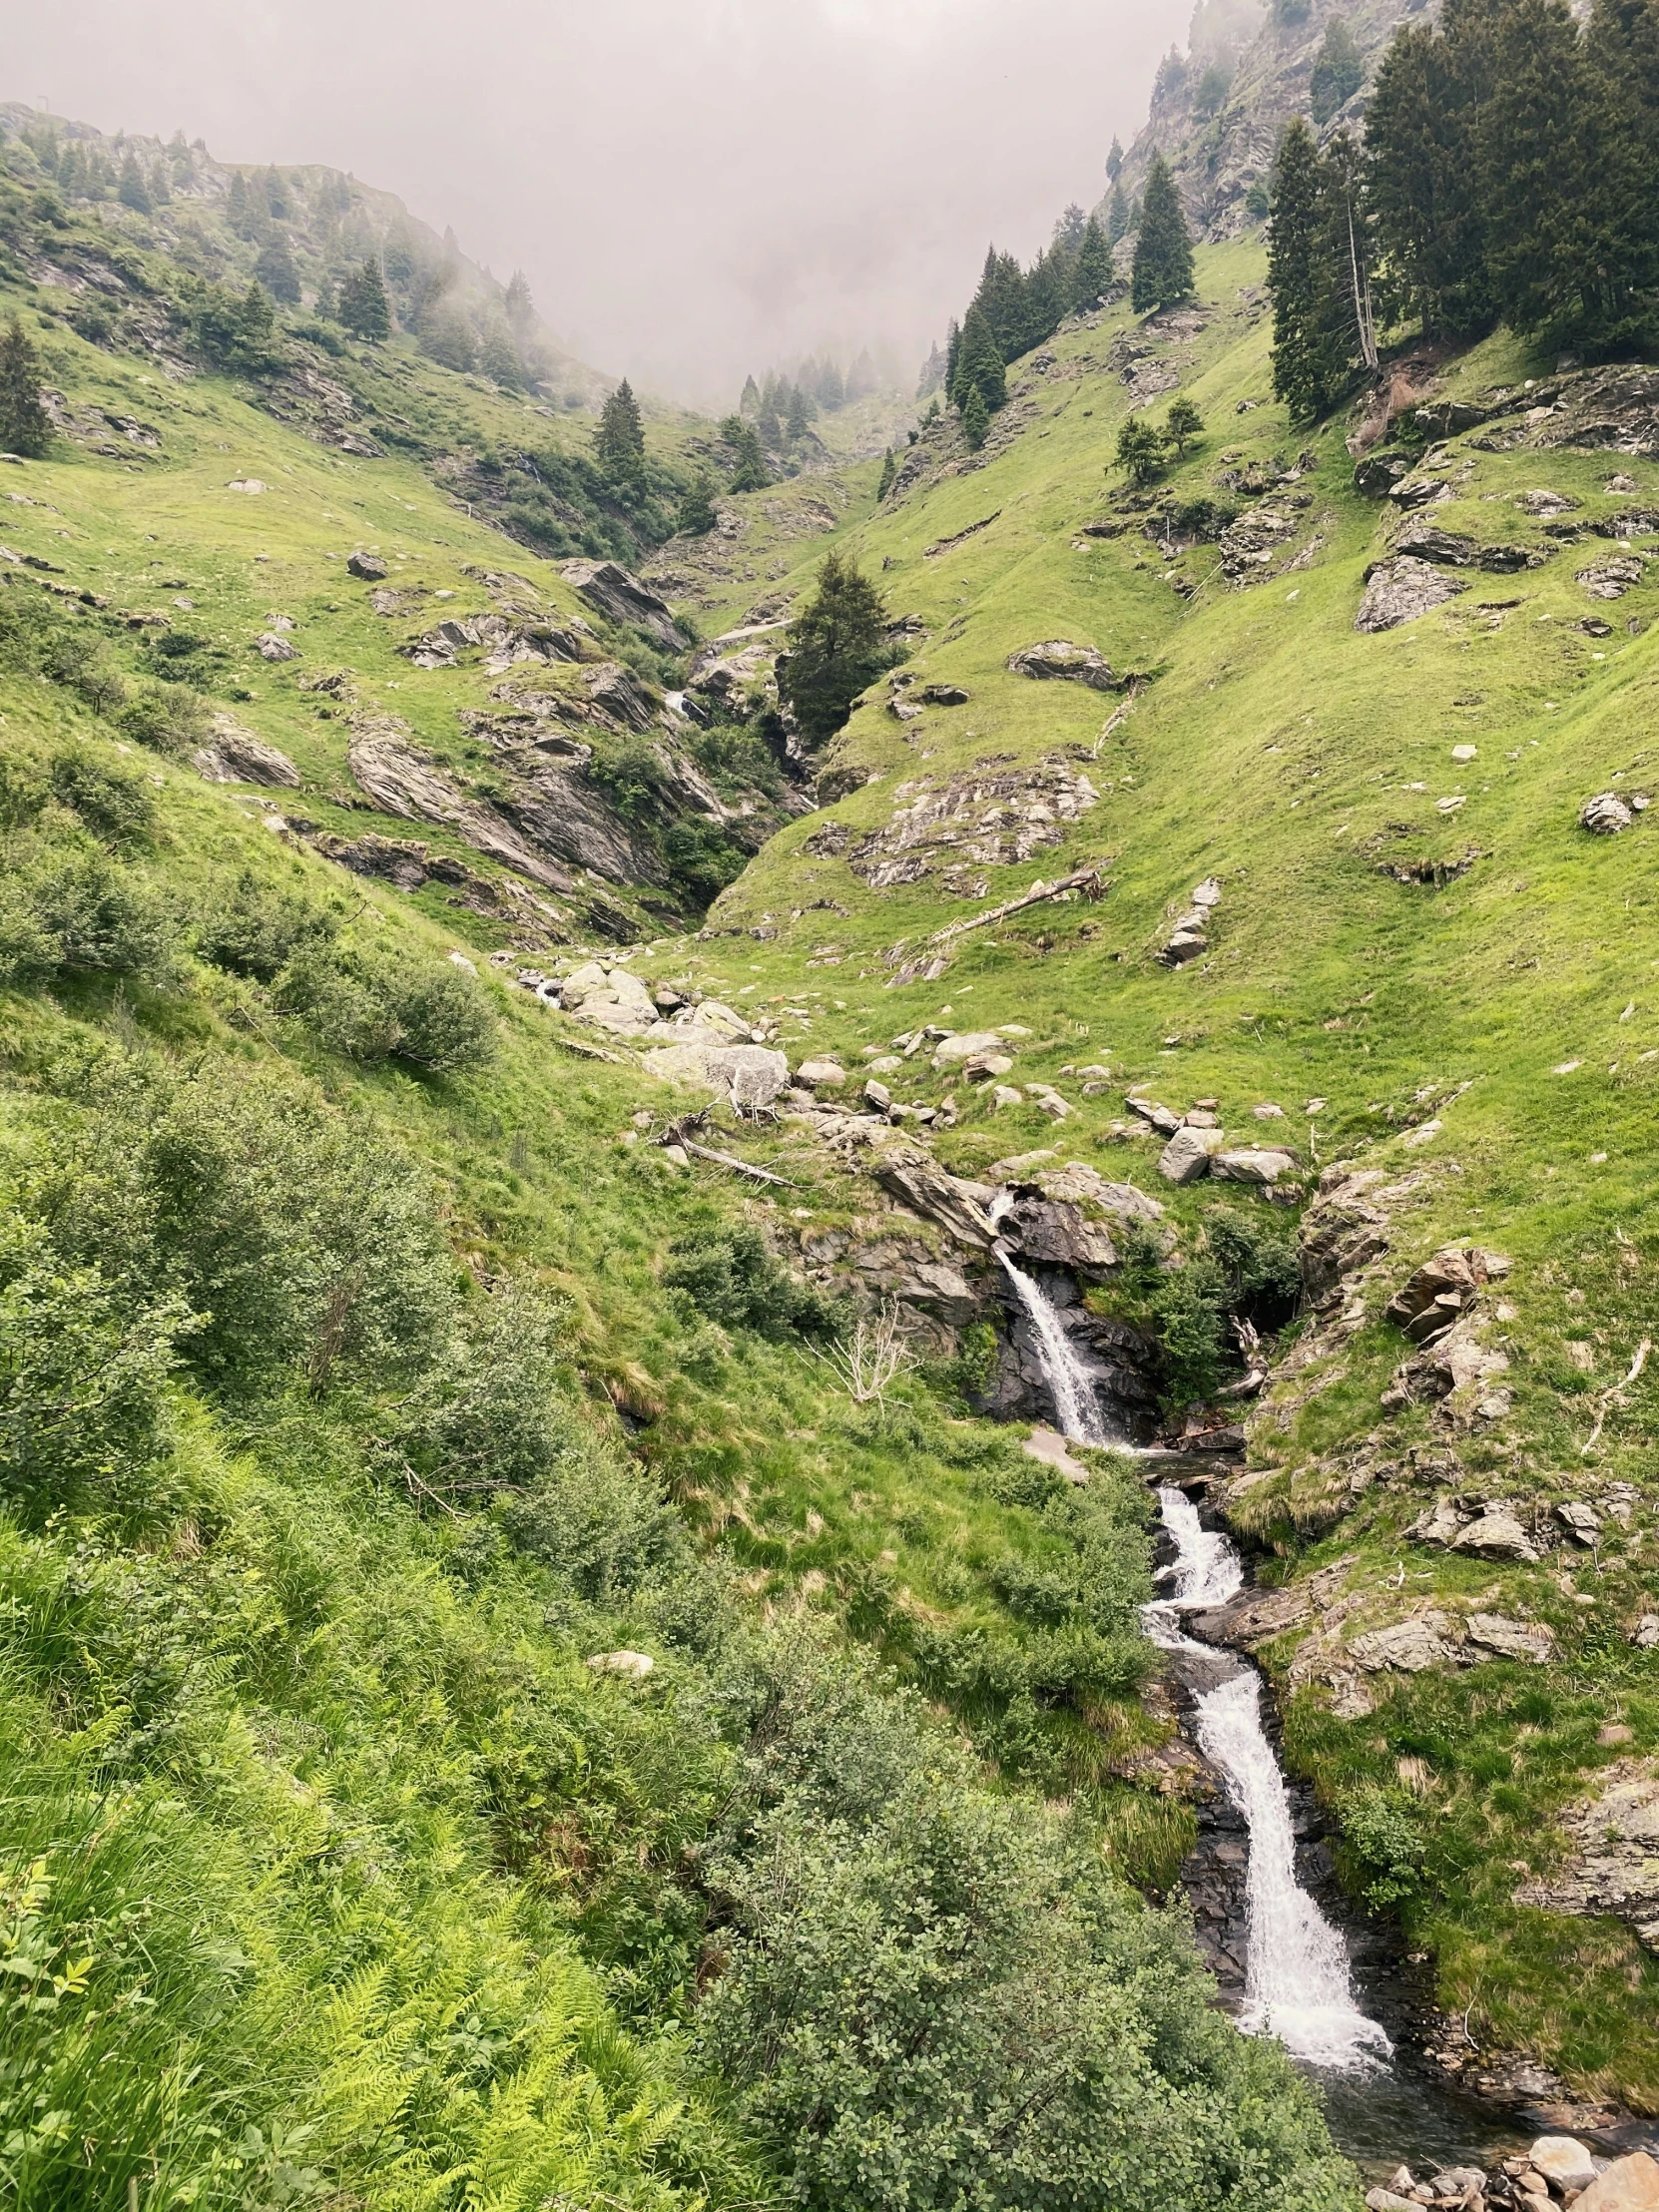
column 1297, row 1983
column 1076, row 1408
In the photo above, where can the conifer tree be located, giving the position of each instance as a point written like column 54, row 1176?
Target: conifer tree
column 517, row 305
column 835, row 649
column 1068, row 233
column 1337, row 70
column 1092, row 272
column 276, row 270
column 979, row 365
column 830, row 391
column 696, row 515
column 1540, row 168
column 364, row 305
column 276, row 197
column 1182, row 425
column 1140, row 450
column 1621, row 51
column 1422, row 176
column 889, row 470
column 133, row 191
column 750, row 404
column 1304, row 374
column 1116, row 215
column 1163, row 272
column 161, row 190
column 236, row 203
column 952, row 355
column 1114, row 161
column 795, row 419
column 977, row 419
column 25, row 426
column 749, row 471
column 619, row 441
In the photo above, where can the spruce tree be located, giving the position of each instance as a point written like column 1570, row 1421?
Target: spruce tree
column 1114, row 161
column 619, row 441
column 1621, row 51
column 1182, row 425
column 749, row 471
column 25, row 426
column 133, row 191
column 1116, row 215
column 518, row 306
column 795, row 419
column 1092, row 272
column 696, row 515
column 1304, row 375
column 276, row 270
column 1140, row 450
column 835, row 649
column 1337, row 72
column 1163, row 272
column 889, row 470
column 977, row 419
column 979, row 365
column 830, row 391
column 750, row 404
column 1540, row 168
column 769, row 428
column 364, row 305
column 1422, row 176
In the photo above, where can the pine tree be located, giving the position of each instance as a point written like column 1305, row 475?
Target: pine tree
column 161, row 190
column 276, row 196
column 1068, row 233
column 696, row 516
column 1182, row 425
column 133, row 191
column 889, row 470
column 977, row 419
column 518, row 306
column 795, row 419
column 835, row 649
column 1140, row 450
column 1114, row 161
column 1304, row 374
column 1117, row 217
column 1092, row 273
column 861, row 378
column 619, row 441
column 236, row 203
column 1337, row 72
column 1539, row 165
column 831, row 390
column 748, row 473
column 952, row 355
column 768, row 428
column 25, row 426
column 750, row 404
column 979, row 365
column 364, row 305
column 1163, row 272
column 276, row 270
column 1621, row 51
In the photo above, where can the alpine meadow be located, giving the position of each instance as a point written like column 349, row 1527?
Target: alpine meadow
column 649, row 1565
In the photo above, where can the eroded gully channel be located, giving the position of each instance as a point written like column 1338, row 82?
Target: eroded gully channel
column 1300, row 1982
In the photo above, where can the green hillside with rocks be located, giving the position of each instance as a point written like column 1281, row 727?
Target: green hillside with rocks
column 560, row 1645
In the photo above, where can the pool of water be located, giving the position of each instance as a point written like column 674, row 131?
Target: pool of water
column 1394, row 2116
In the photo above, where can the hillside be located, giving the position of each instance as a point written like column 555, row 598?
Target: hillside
column 552, row 1652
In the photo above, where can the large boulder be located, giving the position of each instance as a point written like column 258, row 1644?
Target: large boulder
column 1605, row 815
column 1627, row 2185
column 1528, row 1640
column 620, row 597
column 1058, row 659
column 367, row 566
column 1055, row 1232
column 1446, row 1285
column 1409, row 1647
column 1399, row 590
column 960, row 1207
column 749, row 1076
column 1257, row 1167
column 971, row 1044
column 1187, row 1156
column 237, row 756
column 614, row 1000
column 1496, row 1534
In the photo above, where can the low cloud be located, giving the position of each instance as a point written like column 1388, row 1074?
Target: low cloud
column 695, row 187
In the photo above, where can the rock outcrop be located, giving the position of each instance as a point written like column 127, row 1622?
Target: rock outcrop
column 620, row 597
column 1400, row 590
column 1058, row 660
column 993, row 816
column 237, row 756
column 1612, row 1862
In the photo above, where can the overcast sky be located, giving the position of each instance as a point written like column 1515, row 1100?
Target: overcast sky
column 695, row 187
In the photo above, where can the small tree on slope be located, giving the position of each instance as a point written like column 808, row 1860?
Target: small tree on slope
column 25, row 426
column 1163, row 250
column 835, row 649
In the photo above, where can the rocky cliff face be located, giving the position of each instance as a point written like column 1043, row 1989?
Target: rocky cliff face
column 1218, row 110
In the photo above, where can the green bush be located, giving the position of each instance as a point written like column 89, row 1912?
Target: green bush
column 82, row 1380
column 250, row 927
column 732, row 1278
column 1385, row 1832
column 371, row 1005
column 168, row 718
column 63, row 909
column 117, row 807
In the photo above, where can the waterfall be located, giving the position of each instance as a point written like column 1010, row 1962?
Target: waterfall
column 1076, row 1408
column 1297, row 1983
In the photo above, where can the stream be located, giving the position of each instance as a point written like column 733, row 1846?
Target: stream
column 1299, row 1980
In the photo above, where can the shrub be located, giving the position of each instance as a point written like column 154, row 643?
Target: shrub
column 731, row 1276
column 82, row 1381
column 250, row 927
column 168, row 718
column 596, row 1520
column 1385, row 1832
column 114, row 803
column 488, row 1413
column 79, row 910
column 371, row 1005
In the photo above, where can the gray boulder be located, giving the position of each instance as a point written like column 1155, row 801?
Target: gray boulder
column 1259, row 1168
column 1446, row 1286
column 1400, row 591
column 1409, row 1647
column 1605, row 815
column 1059, row 660
column 620, row 597
column 1496, row 1535
column 1186, row 1157
column 1612, row 578
column 368, row 566
column 1529, row 1640
column 1376, row 474
column 237, row 756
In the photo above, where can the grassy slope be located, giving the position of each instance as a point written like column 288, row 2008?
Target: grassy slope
column 1282, row 752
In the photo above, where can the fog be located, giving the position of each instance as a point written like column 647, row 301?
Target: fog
column 695, row 187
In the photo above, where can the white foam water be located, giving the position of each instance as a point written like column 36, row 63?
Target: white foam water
column 1076, row 1408
column 1297, row 1980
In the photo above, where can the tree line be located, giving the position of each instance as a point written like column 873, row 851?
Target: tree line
column 1507, row 178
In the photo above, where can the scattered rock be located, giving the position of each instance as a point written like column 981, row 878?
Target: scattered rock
column 1048, row 1445
column 1627, row 2185
column 1187, row 1156
column 1605, row 815
column 368, row 566
column 1582, row 1521
column 1496, row 1534
column 1400, row 590
column 821, row 1075
column 944, row 695
column 1564, row 2160
column 1510, row 1639
column 608, row 586
column 971, row 1044
column 1546, row 503
column 1611, row 579
column 1446, row 1286
column 616, row 1000
column 275, row 647
column 633, row 1665
column 1158, row 1117
column 991, row 816
column 237, row 756
column 1262, row 1169
column 1058, row 659
column 1409, row 1647
column 749, row 1076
